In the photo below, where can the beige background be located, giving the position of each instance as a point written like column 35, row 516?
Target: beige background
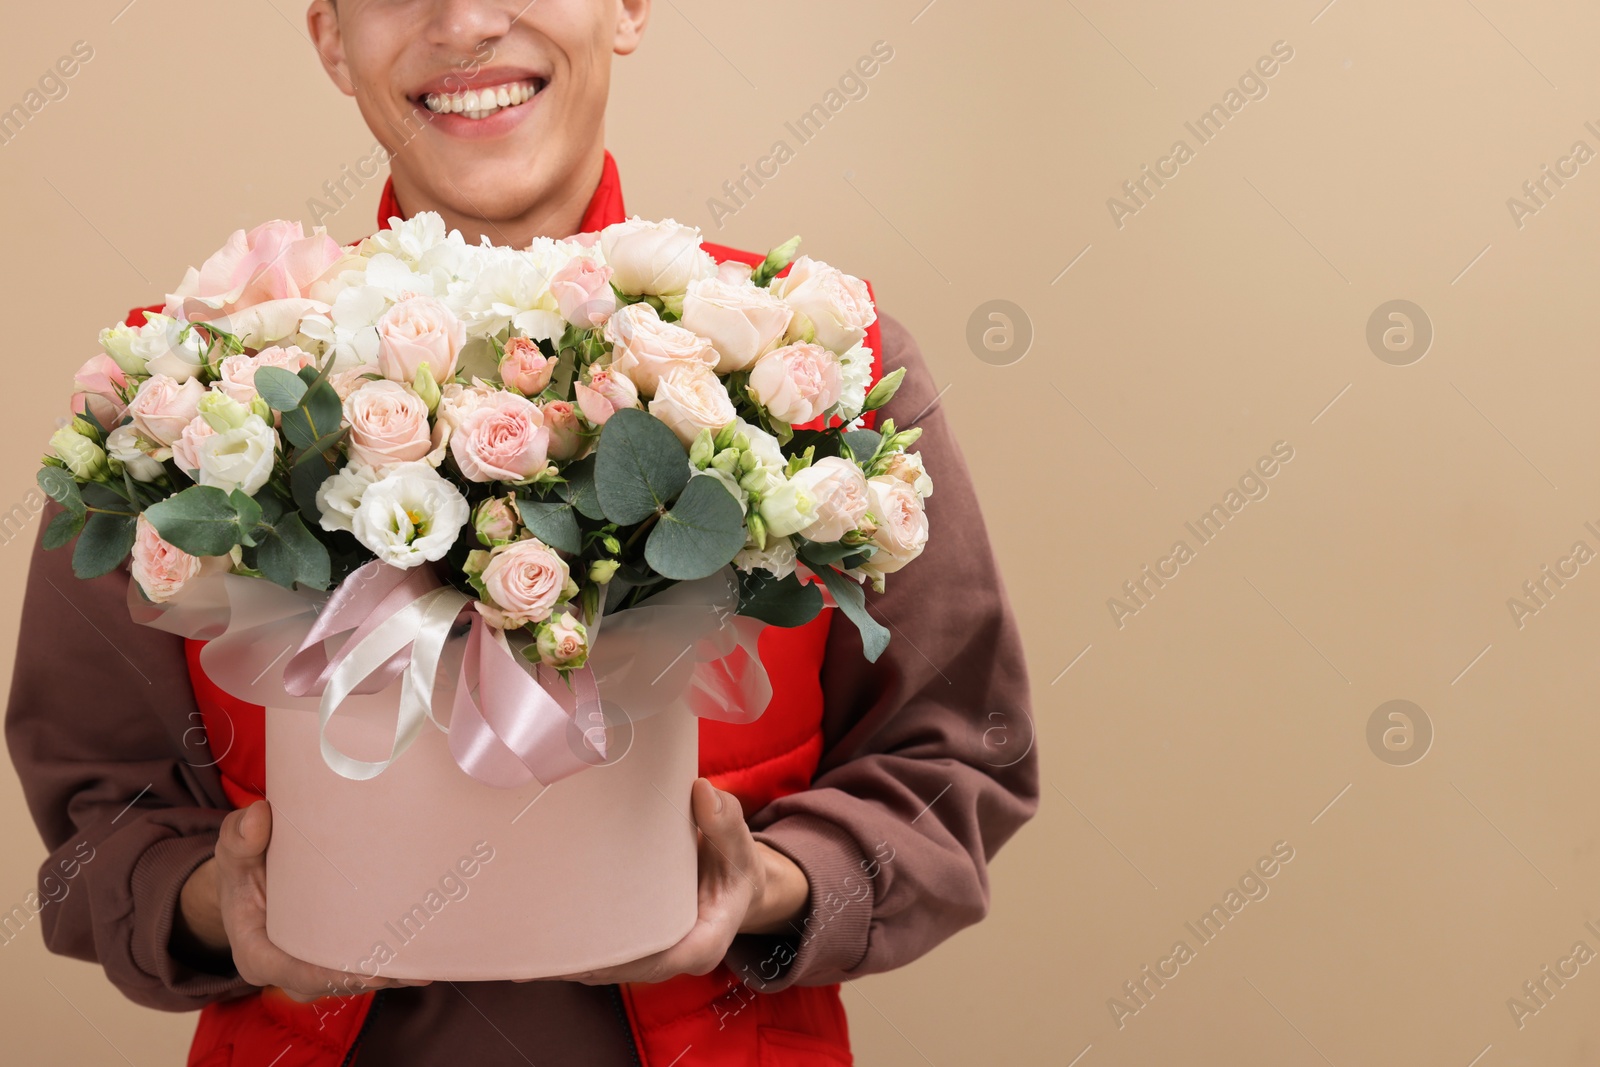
column 1227, row 314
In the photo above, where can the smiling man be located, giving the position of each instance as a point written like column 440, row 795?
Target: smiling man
column 846, row 832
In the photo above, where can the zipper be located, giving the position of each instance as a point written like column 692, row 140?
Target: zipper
column 627, row 1028
column 372, row 1010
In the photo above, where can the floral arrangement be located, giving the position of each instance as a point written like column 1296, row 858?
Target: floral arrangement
column 562, row 430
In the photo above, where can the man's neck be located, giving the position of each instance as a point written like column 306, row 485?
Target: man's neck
column 559, row 214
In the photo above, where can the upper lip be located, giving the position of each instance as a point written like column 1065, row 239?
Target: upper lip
column 459, row 81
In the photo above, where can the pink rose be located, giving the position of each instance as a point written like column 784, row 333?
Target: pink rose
column 160, row 567
column 350, row 379
column 583, row 289
column 525, row 580
column 186, row 449
column 388, row 424
column 566, row 436
column 274, row 261
column 503, row 438
column 237, row 374
column 797, row 383
column 415, row 331
column 644, row 347
column 525, row 368
column 100, row 382
column 162, row 407
column 606, row 393
column 690, row 399
column 840, row 491
column 902, row 524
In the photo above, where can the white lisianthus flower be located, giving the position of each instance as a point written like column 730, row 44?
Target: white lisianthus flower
column 118, row 343
column 788, row 508
column 134, row 452
column 158, row 347
column 239, row 458
column 410, row 516
column 777, row 559
column 340, row 494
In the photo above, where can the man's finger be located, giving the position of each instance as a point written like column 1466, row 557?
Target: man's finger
column 244, row 834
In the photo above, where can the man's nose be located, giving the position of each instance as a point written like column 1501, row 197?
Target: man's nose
column 465, row 24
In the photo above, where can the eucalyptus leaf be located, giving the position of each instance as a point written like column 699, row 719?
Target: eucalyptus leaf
column 863, row 443
column 852, row 600
column 640, row 467
column 579, row 489
column 553, row 523
column 700, row 535
column 316, row 417
column 305, row 478
column 201, row 520
column 60, row 486
column 104, row 543
column 779, row 601
column 290, row 553
column 63, row 528
column 281, row 389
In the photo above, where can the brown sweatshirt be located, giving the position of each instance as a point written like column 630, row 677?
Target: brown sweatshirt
column 927, row 768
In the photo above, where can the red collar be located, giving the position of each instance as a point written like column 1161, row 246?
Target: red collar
column 605, row 206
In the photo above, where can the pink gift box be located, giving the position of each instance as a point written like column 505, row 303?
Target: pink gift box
column 424, row 872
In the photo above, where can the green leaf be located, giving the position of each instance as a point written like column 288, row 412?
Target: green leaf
column 779, row 601
column 700, row 535
column 249, row 513
column 105, row 542
column 553, row 523
column 852, row 600
column 317, row 416
column 271, row 505
column 323, row 444
column 821, row 555
column 281, row 389
column 290, row 553
column 579, row 489
column 863, row 444
column 60, row 486
column 201, row 520
column 640, row 466
column 63, row 528
column 305, row 478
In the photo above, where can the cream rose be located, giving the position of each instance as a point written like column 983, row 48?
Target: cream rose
column 417, row 331
column 838, row 306
column 645, row 348
column 388, row 424
column 162, row 407
column 160, row 567
column 840, row 491
column 503, row 438
column 902, row 524
column 742, row 321
column 691, row 398
column 410, row 516
column 654, row 258
column 797, row 383
column 907, row 466
column 525, row 581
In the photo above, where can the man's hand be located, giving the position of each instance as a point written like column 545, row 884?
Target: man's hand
column 745, row 888
column 223, row 911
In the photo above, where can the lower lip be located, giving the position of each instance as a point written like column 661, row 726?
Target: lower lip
column 500, row 123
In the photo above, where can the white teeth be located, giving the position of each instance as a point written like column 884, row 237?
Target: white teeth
column 481, row 103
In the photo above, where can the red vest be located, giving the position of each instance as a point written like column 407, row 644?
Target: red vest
column 714, row 1020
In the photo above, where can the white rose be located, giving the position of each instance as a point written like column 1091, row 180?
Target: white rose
column 838, row 306
column 742, row 321
column 690, row 398
column 839, row 490
column 654, row 258
column 340, row 494
column 410, row 516
column 777, row 559
column 241, row 458
column 902, row 524
column 126, row 446
column 797, row 383
column 907, row 466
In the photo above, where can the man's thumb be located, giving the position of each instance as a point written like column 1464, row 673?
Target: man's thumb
column 246, row 833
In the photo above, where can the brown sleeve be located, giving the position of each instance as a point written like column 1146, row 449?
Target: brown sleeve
column 104, row 731
column 928, row 765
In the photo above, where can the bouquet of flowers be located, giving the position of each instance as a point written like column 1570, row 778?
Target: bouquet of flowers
column 563, row 431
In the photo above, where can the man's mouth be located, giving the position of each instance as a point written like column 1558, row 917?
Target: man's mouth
column 480, row 103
